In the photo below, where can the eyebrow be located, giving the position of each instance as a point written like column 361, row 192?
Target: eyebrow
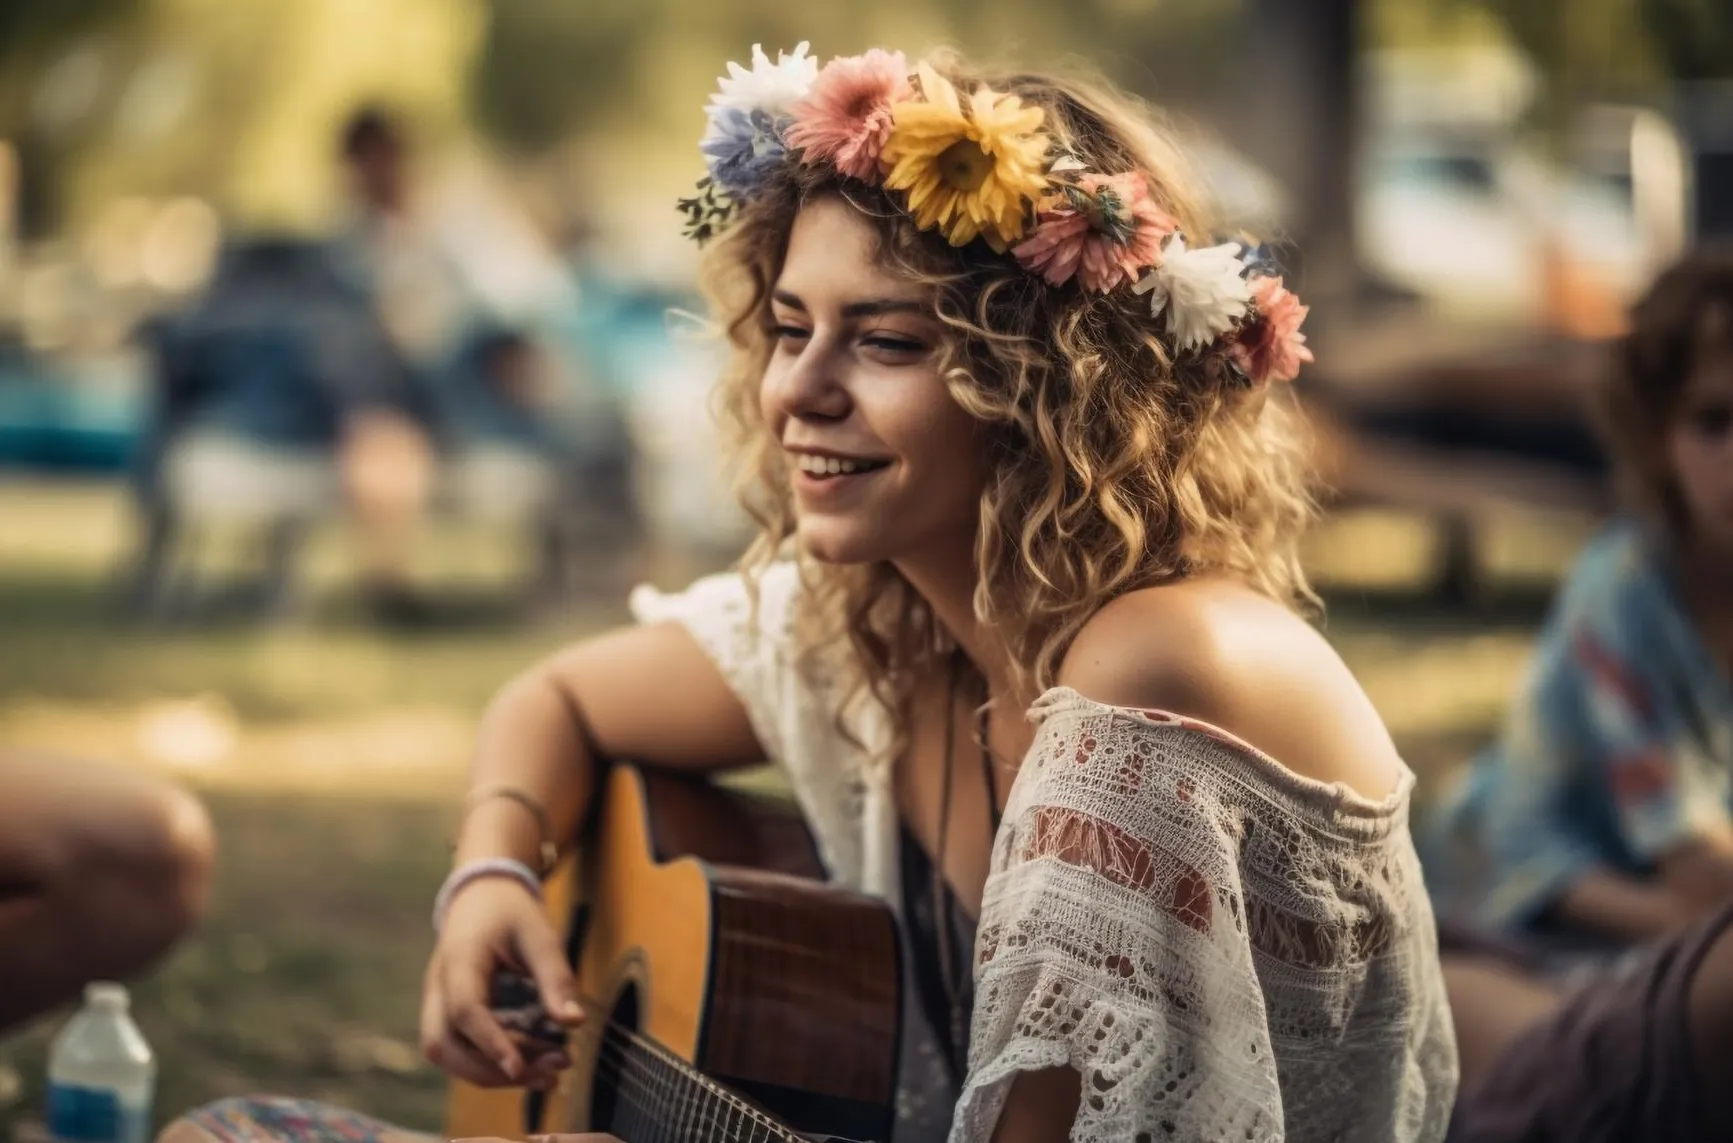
column 871, row 307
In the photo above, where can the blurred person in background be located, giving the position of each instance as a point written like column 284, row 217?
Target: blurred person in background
column 417, row 292
column 1594, row 840
column 371, row 369
column 465, row 289
column 102, row 870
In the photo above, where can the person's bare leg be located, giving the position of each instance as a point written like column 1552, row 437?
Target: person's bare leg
column 386, row 463
column 1491, row 1005
column 102, row 869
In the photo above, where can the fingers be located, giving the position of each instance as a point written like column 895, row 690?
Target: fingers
column 541, row 951
column 449, row 1052
column 543, row 1062
column 467, row 1013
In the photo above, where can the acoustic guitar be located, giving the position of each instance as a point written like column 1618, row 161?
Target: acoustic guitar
column 732, row 994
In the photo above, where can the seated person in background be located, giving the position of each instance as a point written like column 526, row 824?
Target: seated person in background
column 1602, row 815
column 1601, row 819
column 102, row 870
column 461, row 283
column 278, row 366
column 419, row 296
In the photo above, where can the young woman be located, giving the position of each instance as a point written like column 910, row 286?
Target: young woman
column 1022, row 627
column 1600, row 822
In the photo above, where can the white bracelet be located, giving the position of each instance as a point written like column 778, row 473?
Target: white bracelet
column 472, row 871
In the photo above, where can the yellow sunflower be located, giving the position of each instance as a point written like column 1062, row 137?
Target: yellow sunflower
column 967, row 172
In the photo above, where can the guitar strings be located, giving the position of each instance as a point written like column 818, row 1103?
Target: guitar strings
column 647, row 1090
column 645, row 1098
column 651, row 1086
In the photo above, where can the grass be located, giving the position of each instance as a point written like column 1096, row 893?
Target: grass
column 306, row 977
column 330, row 751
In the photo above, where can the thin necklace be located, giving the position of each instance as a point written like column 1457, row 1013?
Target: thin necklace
column 942, row 897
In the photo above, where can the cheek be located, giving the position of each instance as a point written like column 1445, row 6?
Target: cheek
column 953, row 449
column 1694, row 459
column 768, row 406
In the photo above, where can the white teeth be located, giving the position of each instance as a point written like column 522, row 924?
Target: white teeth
column 828, row 465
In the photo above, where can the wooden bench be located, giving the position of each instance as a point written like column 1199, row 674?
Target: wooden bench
column 1533, row 382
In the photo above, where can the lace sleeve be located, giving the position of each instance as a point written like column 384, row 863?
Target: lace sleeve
column 1113, row 940
column 751, row 647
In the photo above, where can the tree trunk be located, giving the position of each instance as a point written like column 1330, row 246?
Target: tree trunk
column 1295, row 97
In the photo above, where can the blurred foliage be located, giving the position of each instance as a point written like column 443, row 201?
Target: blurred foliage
column 1695, row 37
column 1583, row 50
column 549, row 70
column 545, row 68
column 31, row 33
column 238, row 102
column 33, row 38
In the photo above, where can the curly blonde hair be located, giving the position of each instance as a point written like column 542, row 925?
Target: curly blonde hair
column 1152, row 466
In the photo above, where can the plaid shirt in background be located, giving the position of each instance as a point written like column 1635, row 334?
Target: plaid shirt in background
column 1618, row 749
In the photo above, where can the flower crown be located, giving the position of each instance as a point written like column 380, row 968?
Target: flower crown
column 981, row 168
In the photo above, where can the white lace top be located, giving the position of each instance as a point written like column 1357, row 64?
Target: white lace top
column 1223, row 949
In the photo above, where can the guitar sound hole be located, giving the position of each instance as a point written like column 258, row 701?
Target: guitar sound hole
column 618, row 1097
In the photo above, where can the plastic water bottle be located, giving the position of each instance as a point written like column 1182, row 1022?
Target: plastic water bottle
column 101, row 1073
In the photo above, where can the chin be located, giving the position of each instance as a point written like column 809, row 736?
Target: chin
column 840, row 542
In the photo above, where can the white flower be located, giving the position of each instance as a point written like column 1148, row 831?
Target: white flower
column 773, row 88
column 1201, row 289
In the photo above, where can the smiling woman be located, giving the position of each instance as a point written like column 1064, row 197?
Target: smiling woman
column 1021, row 627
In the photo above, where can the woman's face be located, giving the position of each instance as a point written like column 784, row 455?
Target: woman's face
column 1700, row 451
column 884, row 464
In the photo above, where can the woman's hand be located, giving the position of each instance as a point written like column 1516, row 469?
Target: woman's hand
column 495, row 926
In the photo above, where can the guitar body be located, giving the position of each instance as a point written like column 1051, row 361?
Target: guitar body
column 725, row 980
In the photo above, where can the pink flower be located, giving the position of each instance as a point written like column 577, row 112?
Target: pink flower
column 1102, row 228
column 1273, row 348
column 846, row 115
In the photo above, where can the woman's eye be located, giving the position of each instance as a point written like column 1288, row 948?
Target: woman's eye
column 895, row 344
column 787, row 332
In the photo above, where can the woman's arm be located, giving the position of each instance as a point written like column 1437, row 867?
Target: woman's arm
column 1695, row 879
column 650, row 694
column 1040, row 1107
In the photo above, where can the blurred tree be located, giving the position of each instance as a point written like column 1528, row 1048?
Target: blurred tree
column 33, row 32
column 1695, row 37
column 1296, row 104
column 1587, row 49
column 545, row 69
column 1619, row 49
column 35, row 36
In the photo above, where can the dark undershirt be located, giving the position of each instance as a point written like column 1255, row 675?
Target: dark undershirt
column 921, row 913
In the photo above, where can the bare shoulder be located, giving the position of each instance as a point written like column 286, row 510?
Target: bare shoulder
column 1216, row 651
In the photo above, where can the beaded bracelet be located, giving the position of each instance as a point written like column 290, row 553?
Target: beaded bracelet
column 547, row 852
column 472, row 871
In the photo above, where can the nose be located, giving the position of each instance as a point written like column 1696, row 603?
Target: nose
column 808, row 386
